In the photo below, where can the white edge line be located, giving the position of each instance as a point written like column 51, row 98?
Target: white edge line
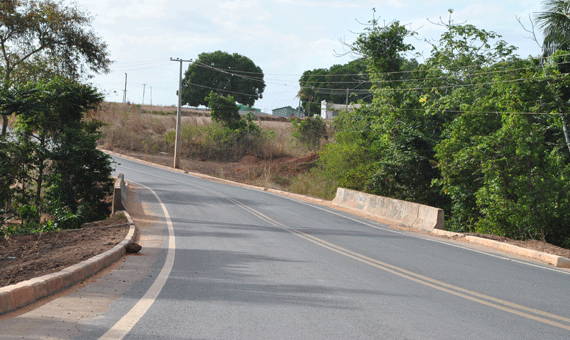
column 128, row 321
column 314, row 205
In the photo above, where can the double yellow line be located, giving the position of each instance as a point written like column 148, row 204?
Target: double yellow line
column 513, row 308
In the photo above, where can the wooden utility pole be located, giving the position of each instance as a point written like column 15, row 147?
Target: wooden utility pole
column 178, row 116
column 144, row 87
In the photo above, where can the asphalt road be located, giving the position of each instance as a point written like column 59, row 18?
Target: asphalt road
column 238, row 263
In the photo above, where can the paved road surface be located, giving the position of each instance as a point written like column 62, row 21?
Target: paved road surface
column 237, row 263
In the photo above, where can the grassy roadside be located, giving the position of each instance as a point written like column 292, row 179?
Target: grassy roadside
column 273, row 160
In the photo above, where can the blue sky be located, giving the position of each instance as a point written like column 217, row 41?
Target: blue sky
column 283, row 37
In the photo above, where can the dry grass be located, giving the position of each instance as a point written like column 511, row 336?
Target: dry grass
column 272, row 160
column 133, row 128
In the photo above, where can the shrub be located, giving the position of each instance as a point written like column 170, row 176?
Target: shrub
column 310, row 132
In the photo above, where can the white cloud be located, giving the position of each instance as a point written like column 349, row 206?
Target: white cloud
column 243, row 10
column 346, row 4
column 239, row 5
column 165, row 42
column 109, row 11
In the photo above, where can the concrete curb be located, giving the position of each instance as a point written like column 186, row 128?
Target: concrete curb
column 446, row 233
column 554, row 260
column 26, row 292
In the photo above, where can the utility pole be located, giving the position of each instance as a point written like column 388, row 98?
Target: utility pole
column 125, row 91
column 178, row 116
column 151, row 97
column 144, row 87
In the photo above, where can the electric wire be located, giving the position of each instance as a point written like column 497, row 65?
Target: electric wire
column 342, row 91
column 222, row 90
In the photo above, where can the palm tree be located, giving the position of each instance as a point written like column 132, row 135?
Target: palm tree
column 555, row 24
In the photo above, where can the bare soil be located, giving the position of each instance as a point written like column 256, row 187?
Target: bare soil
column 23, row 257
column 248, row 170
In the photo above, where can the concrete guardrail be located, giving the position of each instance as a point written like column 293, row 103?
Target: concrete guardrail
column 120, row 194
column 405, row 213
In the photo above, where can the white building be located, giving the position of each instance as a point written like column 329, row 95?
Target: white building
column 330, row 110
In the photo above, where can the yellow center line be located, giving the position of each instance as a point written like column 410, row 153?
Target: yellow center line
column 483, row 299
column 421, row 279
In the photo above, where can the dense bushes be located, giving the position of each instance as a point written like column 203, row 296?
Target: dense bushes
column 310, row 132
column 474, row 130
column 52, row 167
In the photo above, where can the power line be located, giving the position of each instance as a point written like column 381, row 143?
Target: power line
column 222, row 90
column 444, row 86
column 233, row 73
column 163, row 62
column 442, row 77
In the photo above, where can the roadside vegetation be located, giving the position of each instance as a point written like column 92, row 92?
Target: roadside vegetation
column 472, row 128
column 256, row 150
column 52, row 176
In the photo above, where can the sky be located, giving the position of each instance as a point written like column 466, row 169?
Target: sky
column 283, row 37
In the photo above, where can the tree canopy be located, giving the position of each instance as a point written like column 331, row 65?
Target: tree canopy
column 334, row 85
column 474, row 130
column 43, row 38
column 225, row 74
column 51, row 163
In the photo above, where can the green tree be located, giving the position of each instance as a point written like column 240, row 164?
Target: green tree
column 335, row 85
column 500, row 155
column 45, row 38
column 310, row 131
column 225, row 111
column 222, row 73
column 554, row 21
column 386, row 148
column 54, row 149
column 80, row 175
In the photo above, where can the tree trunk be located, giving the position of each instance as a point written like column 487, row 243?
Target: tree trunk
column 565, row 130
column 4, row 124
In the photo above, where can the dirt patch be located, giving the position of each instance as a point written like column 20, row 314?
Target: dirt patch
column 23, row 257
column 249, row 170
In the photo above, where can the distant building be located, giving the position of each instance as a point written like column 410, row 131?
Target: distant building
column 244, row 109
column 330, row 110
column 287, row 111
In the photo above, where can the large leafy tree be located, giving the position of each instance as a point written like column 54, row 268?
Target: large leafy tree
column 43, row 38
column 225, row 74
column 554, row 21
column 502, row 158
column 474, row 130
column 335, row 85
column 385, row 148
